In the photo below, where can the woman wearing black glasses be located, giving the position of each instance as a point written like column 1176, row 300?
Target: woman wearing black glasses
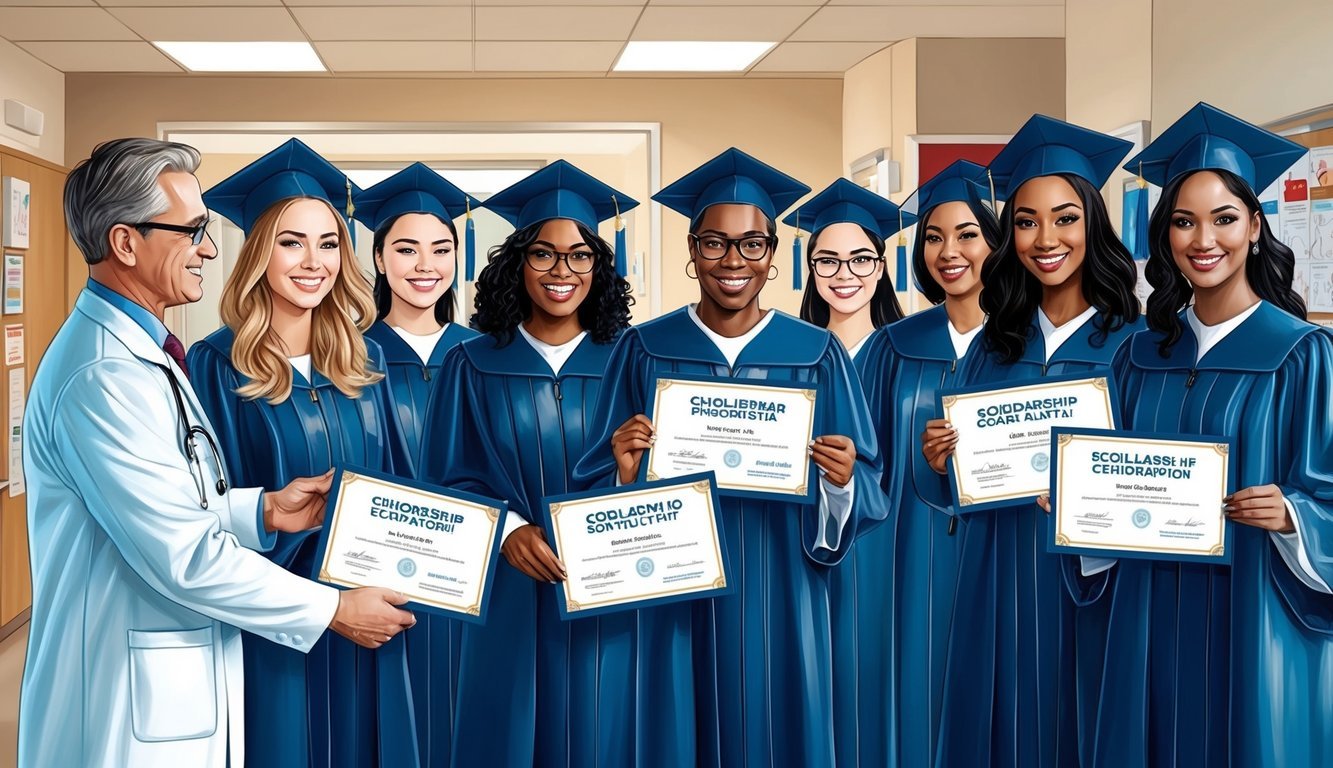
column 507, row 420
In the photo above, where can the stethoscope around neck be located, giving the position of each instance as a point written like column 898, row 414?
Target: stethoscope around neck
column 190, row 445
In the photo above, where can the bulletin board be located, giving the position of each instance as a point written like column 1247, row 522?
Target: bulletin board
column 1315, row 130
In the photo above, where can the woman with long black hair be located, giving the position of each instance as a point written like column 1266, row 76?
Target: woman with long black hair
column 1227, row 665
column 1059, row 297
column 508, row 420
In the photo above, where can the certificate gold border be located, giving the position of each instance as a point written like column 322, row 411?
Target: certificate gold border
column 666, row 383
column 702, row 487
column 950, row 402
column 1215, row 548
column 471, row 606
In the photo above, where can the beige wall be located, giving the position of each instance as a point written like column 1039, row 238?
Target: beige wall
column 28, row 80
column 989, row 85
column 794, row 123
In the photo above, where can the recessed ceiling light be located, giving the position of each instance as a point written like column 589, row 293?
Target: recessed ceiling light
column 689, row 56
column 244, row 57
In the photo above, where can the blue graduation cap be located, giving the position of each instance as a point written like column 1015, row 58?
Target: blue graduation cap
column 1208, row 138
column 1045, row 146
column 418, row 189
column 843, row 201
column 291, row 170
column 562, row 191
column 732, row 177
column 961, row 182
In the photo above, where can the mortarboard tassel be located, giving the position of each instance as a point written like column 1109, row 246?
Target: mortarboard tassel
column 622, row 267
column 900, row 275
column 1140, row 245
column 994, row 206
column 350, row 209
column 796, row 256
column 469, row 245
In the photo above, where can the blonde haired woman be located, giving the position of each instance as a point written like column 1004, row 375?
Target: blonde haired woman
column 293, row 388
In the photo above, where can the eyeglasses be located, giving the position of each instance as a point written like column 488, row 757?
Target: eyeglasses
column 196, row 232
column 859, row 266
column 579, row 262
column 752, row 248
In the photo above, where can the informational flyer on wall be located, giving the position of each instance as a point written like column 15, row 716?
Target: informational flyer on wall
column 1294, row 208
column 13, row 345
column 17, row 379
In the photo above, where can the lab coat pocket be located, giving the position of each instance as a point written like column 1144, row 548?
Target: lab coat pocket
column 173, row 688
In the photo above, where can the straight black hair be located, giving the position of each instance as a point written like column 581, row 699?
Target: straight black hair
column 444, row 307
column 990, row 232
column 884, row 307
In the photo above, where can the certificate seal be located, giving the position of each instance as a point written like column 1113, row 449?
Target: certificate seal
column 1041, row 462
column 644, row 567
column 1141, row 518
column 407, row 567
column 732, row 458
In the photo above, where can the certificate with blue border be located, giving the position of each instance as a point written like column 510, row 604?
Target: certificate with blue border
column 1140, row 495
column 435, row 545
column 754, row 436
column 1004, row 434
column 638, row 545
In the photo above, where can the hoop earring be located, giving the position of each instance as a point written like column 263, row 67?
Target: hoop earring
column 689, row 264
column 1254, row 249
column 773, row 272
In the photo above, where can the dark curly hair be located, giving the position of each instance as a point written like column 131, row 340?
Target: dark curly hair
column 884, row 307
column 990, row 232
column 1010, row 294
column 502, row 302
column 1270, row 273
column 444, row 307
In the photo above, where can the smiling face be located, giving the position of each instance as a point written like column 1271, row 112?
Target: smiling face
column 418, row 259
column 844, row 250
column 307, row 255
column 955, row 248
column 559, row 292
column 1050, row 236
column 1212, row 231
column 731, row 282
column 168, row 264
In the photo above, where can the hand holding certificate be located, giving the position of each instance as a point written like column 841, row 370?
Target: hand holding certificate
column 1119, row 494
column 437, row 546
column 755, row 437
column 1004, row 435
column 637, row 546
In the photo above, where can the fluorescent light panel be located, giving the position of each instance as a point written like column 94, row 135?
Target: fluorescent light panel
column 689, row 56
column 243, row 57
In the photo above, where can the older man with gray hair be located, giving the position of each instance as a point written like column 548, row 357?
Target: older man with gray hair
column 143, row 559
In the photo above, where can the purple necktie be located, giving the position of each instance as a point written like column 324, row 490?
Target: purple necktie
column 172, row 346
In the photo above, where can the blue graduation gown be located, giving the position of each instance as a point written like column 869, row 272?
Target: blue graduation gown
column 1229, row 666
column 432, row 645
column 892, row 599
column 340, row 705
column 1011, row 694
column 761, row 657
column 533, row 690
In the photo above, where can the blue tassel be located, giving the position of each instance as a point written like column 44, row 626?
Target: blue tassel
column 900, row 277
column 470, row 248
column 796, row 263
column 622, row 268
column 1141, row 225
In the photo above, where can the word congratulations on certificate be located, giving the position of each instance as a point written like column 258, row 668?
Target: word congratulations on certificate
column 638, row 545
column 1121, row 494
column 754, row 437
column 1004, row 435
column 437, row 546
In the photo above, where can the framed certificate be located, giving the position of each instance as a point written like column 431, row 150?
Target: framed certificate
column 638, row 545
column 754, row 437
column 1130, row 494
column 1004, row 435
column 437, row 546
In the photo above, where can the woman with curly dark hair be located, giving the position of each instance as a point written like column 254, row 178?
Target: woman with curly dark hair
column 507, row 420
column 1059, row 297
column 1239, row 654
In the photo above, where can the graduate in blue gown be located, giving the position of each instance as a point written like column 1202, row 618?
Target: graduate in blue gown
column 1059, row 297
column 762, row 683
column 846, row 290
column 293, row 388
column 415, row 249
column 1215, row 665
column 509, row 420
column 893, row 596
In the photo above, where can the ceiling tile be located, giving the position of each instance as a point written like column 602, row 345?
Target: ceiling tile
column 770, row 24
column 211, row 24
column 169, row 3
column 298, row 3
column 87, row 56
column 552, row 23
column 546, row 56
column 499, row 3
column 47, row 3
column 816, row 57
column 386, row 23
column 960, row 3
column 704, row 3
column 412, row 56
column 884, row 23
column 61, row 24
